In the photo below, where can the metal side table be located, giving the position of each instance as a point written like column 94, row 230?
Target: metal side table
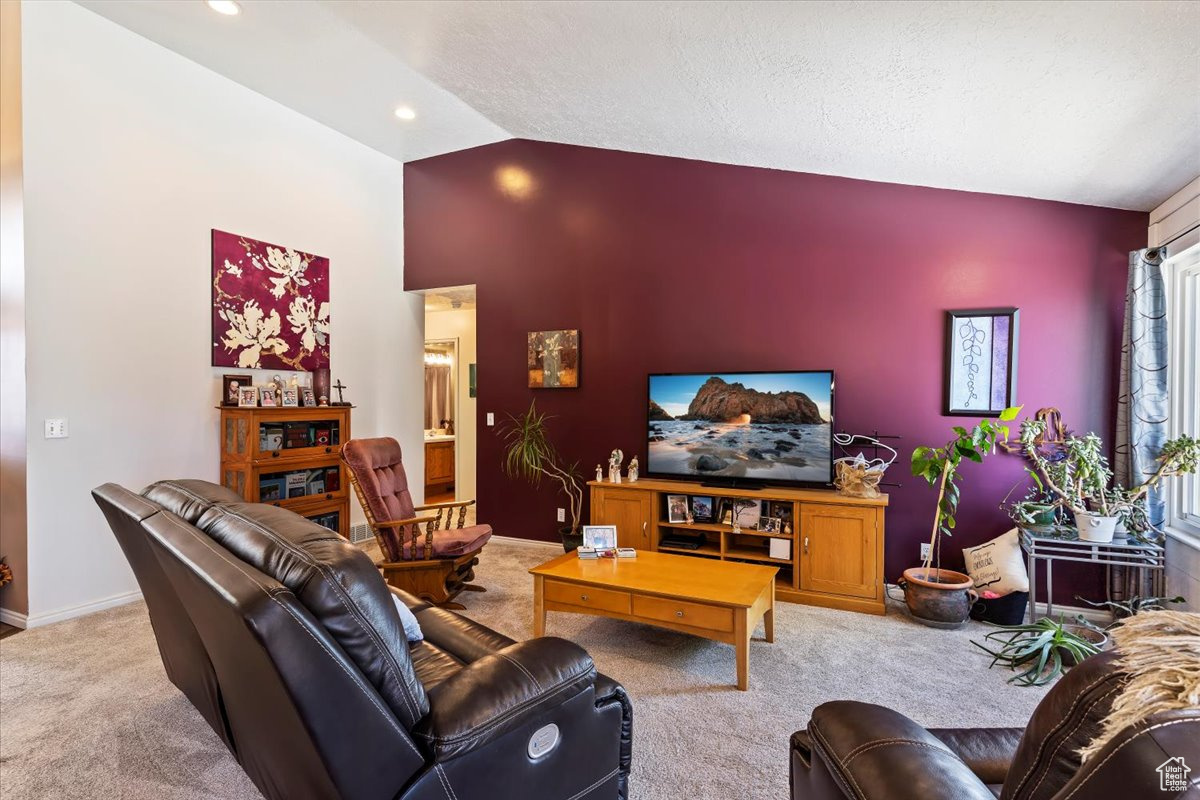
column 1062, row 543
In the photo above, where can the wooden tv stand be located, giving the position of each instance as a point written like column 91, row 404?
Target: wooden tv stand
column 836, row 541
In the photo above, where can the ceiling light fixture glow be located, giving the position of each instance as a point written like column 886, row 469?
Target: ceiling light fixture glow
column 226, row 7
column 406, row 113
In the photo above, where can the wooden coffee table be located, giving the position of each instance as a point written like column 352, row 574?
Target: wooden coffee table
column 720, row 600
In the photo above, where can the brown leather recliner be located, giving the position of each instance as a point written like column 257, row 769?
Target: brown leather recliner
column 865, row 751
column 289, row 643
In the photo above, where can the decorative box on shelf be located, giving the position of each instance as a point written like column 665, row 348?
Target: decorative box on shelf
column 289, row 457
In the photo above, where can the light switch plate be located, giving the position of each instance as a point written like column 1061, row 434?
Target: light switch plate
column 56, row 428
column 562, row 515
column 491, row 419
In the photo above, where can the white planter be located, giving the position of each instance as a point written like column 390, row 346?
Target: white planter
column 1095, row 528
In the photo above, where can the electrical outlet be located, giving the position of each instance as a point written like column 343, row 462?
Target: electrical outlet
column 562, row 515
column 491, row 419
column 56, row 429
column 924, row 551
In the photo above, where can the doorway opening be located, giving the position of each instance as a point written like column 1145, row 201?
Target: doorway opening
column 449, row 416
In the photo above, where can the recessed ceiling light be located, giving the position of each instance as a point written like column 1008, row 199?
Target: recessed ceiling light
column 406, row 113
column 226, row 7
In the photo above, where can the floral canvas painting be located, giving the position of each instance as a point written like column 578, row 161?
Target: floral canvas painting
column 270, row 305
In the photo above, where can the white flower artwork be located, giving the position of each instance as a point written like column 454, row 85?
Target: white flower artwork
column 271, row 305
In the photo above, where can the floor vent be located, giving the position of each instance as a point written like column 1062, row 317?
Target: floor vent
column 360, row 533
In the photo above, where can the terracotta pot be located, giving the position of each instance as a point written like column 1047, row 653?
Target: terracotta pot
column 940, row 598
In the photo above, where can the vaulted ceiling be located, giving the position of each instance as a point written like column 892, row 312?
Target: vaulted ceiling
column 1085, row 102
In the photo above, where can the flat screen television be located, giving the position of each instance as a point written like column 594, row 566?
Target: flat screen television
column 742, row 427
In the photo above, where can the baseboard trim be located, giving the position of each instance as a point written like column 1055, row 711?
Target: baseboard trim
column 14, row 618
column 526, row 542
column 50, row 617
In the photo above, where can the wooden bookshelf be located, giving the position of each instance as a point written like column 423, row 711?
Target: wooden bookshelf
column 289, row 457
column 836, row 557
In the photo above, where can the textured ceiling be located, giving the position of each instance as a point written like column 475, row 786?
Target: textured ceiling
column 1085, row 102
column 302, row 55
column 450, row 298
column 1095, row 103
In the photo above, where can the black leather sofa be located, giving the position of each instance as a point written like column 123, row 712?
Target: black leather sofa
column 286, row 639
column 868, row 752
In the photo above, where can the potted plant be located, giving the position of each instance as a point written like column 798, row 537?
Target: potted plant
column 935, row 596
column 1042, row 650
column 1081, row 481
column 530, row 456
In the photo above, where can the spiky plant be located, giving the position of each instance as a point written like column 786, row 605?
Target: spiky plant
column 530, row 456
column 1036, row 650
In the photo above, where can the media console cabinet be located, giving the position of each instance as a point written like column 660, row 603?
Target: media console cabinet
column 835, row 556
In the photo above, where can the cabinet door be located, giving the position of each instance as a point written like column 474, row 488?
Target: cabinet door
column 439, row 462
column 838, row 550
column 629, row 511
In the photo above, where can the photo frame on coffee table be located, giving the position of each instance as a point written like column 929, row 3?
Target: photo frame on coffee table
column 600, row 537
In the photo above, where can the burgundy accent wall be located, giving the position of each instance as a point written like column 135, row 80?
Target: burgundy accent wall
column 670, row 265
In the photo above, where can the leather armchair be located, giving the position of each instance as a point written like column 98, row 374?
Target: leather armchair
column 287, row 639
column 865, row 751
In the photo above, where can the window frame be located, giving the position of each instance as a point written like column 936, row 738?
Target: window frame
column 1181, row 279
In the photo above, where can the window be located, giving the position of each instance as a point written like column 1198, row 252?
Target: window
column 1182, row 276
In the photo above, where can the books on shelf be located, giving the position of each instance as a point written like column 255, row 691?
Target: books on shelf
column 270, row 437
column 296, row 483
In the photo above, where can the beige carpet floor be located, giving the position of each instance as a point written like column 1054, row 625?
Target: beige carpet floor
column 86, row 711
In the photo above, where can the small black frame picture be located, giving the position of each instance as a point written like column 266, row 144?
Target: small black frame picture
column 981, row 361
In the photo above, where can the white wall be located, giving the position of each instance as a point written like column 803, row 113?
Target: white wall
column 460, row 324
column 132, row 155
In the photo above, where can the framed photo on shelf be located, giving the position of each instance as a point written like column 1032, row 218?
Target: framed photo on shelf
column 724, row 511
column 981, row 361
column 770, row 524
column 247, row 397
column 231, row 385
column 308, row 398
column 268, row 397
column 748, row 512
column 290, row 397
column 677, row 508
column 702, row 508
column 600, row 537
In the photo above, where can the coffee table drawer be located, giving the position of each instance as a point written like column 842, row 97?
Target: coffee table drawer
column 697, row 615
column 587, row 596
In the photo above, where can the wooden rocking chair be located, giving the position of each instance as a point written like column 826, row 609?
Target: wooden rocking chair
column 420, row 556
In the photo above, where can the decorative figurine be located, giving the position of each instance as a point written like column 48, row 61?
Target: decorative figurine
column 614, row 466
column 341, row 401
column 787, row 528
column 599, row 474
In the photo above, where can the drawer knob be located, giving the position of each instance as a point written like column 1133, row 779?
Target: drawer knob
column 328, row 497
column 583, row 597
column 274, row 454
column 328, row 449
column 679, row 613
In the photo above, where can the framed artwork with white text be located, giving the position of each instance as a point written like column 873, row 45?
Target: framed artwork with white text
column 981, row 361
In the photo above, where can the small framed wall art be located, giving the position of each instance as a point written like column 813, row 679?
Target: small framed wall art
column 600, row 537
column 981, row 361
column 552, row 359
column 247, row 396
column 290, row 397
column 308, row 398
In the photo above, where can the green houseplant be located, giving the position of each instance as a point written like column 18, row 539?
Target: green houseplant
column 1042, row 650
column 936, row 596
column 1082, row 482
column 530, row 456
